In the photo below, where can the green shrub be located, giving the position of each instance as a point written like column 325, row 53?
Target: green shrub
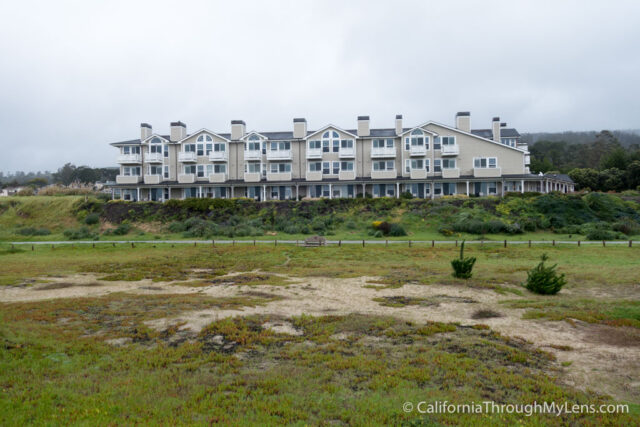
column 32, row 231
column 598, row 234
column 122, row 229
column 177, row 227
column 545, row 280
column 350, row 225
column 92, row 219
column 82, row 233
column 406, row 195
column 397, row 230
column 462, row 266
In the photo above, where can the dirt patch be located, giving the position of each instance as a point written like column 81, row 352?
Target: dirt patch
column 435, row 301
column 485, row 314
column 62, row 285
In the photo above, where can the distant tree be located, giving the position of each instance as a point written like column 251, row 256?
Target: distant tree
column 85, row 175
column 633, row 174
column 618, row 158
column 585, row 178
column 65, row 174
column 613, row 179
column 37, row 182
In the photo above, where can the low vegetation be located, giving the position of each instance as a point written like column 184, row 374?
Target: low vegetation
column 462, row 267
column 544, row 280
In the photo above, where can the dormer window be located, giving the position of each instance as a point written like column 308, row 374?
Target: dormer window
column 330, row 141
column 205, row 138
column 156, row 140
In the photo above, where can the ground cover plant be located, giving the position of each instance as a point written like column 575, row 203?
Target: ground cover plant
column 544, row 280
column 463, row 266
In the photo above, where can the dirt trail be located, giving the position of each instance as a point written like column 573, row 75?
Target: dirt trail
column 601, row 358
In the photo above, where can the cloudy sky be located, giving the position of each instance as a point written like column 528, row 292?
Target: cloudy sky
column 76, row 75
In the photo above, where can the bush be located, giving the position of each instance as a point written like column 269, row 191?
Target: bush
column 31, row 231
column 462, row 266
column 177, row 227
column 122, row 229
column 545, row 280
column 92, row 219
column 80, row 234
column 382, row 226
column 406, row 195
column 598, row 234
column 397, row 230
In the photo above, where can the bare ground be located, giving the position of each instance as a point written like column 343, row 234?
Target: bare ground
column 601, row 358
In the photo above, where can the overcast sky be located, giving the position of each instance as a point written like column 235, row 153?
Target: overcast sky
column 76, row 75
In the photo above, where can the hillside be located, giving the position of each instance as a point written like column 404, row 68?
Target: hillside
column 626, row 138
column 593, row 216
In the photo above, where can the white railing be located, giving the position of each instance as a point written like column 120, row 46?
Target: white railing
column 129, row 158
column 314, row 153
column 449, row 150
column 187, row 156
column 278, row 154
column 383, row 152
column 418, row 150
column 128, row 179
column 153, row 157
column 152, row 179
column 278, row 176
column 347, row 152
column 217, row 177
column 187, row 178
column 218, row 155
column 252, row 155
column 450, row 173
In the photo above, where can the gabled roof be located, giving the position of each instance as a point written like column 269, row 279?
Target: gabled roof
column 155, row 135
column 504, row 132
column 312, row 133
column 203, row 130
column 409, row 130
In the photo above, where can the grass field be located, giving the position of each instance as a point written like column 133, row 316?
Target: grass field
column 89, row 353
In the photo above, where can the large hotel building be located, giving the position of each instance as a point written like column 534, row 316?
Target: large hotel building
column 429, row 160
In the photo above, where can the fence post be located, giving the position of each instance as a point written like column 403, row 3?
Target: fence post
column 482, row 242
column 554, row 242
column 529, row 243
column 32, row 247
column 505, row 243
column 233, row 243
column 195, row 244
column 275, row 242
column 409, row 243
column 254, row 242
column 630, row 243
column 339, row 243
column 578, row 243
column 456, row 243
column 299, row 245
column 114, row 245
column 12, row 247
column 93, row 245
column 51, row 247
column 603, row 244
column 133, row 245
column 386, row 243
column 213, row 243
column 433, row 243
column 363, row 243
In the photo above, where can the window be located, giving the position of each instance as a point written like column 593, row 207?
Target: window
column 346, row 166
column 166, row 151
column 413, row 164
column 280, row 167
column 436, row 143
column 252, row 146
column 315, row 166
column 330, row 141
column 204, row 138
column 437, row 165
column 448, row 140
column 325, row 146
column 417, row 138
column 200, row 171
column 220, row 168
column 190, row 148
column 252, row 167
column 336, row 145
column 448, row 163
column 426, row 164
column 188, row 169
column 336, row 168
column 382, row 143
column 207, row 148
column 200, row 150
column 485, row 162
column 315, row 144
column 155, row 170
column 130, row 150
column 166, row 174
column 346, row 143
column 253, row 137
column 131, row 171
column 326, row 168
column 219, row 147
column 156, row 140
column 383, row 165
column 155, row 148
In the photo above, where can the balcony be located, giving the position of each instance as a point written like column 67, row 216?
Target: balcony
column 527, row 159
column 186, row 178
column 218, row 156
column 487, row 172
column 153, row 157
column 187, row 156
column 314, row 176
column 418, row 174
column 347, row 175
column 451, row 173
column 347, row 153
column 418, row 150
column 152, row 179
column 217, row 177
column 252, row 176
column 253, row 155
column 383, row 152
column 128, row 179
column 279, row 176
column 278, row 154
column 450, row 150
column 129, row 158
column 314, row 153
column 391, row 174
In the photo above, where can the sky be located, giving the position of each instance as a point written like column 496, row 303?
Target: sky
column 77, row 75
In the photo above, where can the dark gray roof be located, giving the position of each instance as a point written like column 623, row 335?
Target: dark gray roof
column 559, row 176
column 488, row 133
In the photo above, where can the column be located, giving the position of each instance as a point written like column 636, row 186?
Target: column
column 363, row 189
column 522, row 186
column 397, row 190
column 231, row 194
column 541, row 187
column 138, row 190
column 113, row 194
column 433, row 190
column 467, row 188
column 547, row 186
column 297, row 192
column 264, row 192
column 502, row 182
column 200, row 191
column 330, row 191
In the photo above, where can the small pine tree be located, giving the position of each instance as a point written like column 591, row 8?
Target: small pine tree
column 462, row 266
column 545, row 280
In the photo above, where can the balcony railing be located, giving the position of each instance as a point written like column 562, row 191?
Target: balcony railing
column 347, row 153
column 388, row 174
column 450, row 173
column 253, row 155
column 418, row 173
column 128, row 179
column 314, row 153
column 418, row 150
column 487, row 172
column 217, row 177
column 449, row 150
column 278, row 154
column 252, row 176
column 347, row 175
column 153, row 157
column 187, row 178
column 152, row 179
column 314, row 176
column 216, row 156
column 383, row 152
column 187, row 156
column 129, row 158
column 279, row 176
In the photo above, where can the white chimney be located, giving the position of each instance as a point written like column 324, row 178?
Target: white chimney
column 363, row 126
column 463, row 121
column 495, row 127
column 299, row 128
column 238, row 129
column 145, row 131
column 398, row 124
column 178, row 131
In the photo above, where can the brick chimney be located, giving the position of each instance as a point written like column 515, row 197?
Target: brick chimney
column 398, row 124
column 495, row 127
column 238, row 129
column 363, row 126
column 178, row 131
column 145, row 131
column 463, row 121
column 299, row 128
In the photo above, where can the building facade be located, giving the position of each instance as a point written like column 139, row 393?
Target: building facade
column 429, row 160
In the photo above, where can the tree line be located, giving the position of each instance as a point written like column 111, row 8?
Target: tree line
column 65, row 175
column 602, row 164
